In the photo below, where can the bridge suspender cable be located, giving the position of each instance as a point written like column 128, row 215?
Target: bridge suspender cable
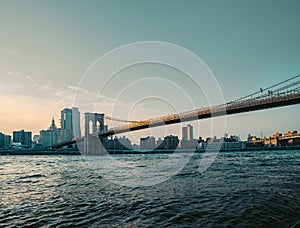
column 262, row 93
column 120, row 120
column 268, row 88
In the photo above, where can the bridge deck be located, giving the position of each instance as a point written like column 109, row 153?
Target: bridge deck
column 220, row 110
column 230, row 108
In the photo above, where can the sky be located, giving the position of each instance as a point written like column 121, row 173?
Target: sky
column 47, row 47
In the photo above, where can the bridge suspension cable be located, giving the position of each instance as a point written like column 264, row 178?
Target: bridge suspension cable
column 120, row 120
column 286, row 89
column 262, row 93
column 269, row 89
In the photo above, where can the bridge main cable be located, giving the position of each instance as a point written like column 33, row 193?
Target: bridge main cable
column 266, row 89
column 242, row 98
column 264, row 101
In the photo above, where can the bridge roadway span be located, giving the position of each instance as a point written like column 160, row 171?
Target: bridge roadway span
column 204, row 113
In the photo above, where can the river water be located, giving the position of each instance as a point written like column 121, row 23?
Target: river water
column 238, row 189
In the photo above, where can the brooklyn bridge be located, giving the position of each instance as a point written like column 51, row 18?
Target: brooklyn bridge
column 284, row 93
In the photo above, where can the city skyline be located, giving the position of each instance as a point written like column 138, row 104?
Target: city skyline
column 42, row 74
column 53, row 135
column 144, row 113
column 69, row 116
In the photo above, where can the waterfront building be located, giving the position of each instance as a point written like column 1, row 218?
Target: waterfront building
column 290, row 133
column 291, row 138
column 221, row 145
column 7, row 142
column 158, row 142
column 189, row 144
column 272, row 140
column 122, row 143
column 22, row 137
column 233, row 145
column 211, row 145
column 17, row 146
column 135, row 147
column 224, row 143
column 170, row 142
column 125, row 142
column 70, row 123
column 1, row 140
column 147, row 143
column 36, row 139
column 50, row 136
column 253, row 141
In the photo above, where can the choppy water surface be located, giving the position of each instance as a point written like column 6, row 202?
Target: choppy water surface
column 238, row 189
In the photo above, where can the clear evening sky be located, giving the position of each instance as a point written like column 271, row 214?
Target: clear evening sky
column 46, row 47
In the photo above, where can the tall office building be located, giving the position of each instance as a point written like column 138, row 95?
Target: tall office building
column 76, row 122
column 187, row 133
column 22, row 137
column 70, row 123
column 184, row 133
column 190, row 130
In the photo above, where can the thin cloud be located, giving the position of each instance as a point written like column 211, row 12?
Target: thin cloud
column 28, row 77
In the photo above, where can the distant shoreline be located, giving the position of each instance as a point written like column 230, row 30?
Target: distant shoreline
column 77, row 152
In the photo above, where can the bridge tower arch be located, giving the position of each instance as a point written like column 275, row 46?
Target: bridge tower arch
column 94, row 122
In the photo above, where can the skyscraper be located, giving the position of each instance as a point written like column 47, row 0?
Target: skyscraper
column 190, row 134
column 187, row 133
column 188, row 141
column 70, row 123
column 184, row 133
column 76, row 122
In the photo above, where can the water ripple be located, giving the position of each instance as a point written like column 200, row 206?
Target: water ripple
column 239, row 189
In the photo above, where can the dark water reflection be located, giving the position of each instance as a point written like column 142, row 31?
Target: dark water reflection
column 239, row 189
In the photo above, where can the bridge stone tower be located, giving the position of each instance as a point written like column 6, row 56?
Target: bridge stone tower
column 94, row 123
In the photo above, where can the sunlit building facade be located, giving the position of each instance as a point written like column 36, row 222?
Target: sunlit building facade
column 187, row 132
